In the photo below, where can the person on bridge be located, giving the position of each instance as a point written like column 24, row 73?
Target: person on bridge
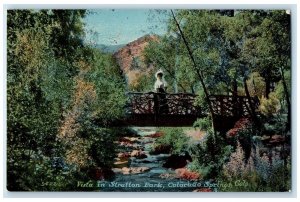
column 160, row 86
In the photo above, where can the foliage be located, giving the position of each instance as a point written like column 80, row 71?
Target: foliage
column 246, row 50
column 209, row 156
column 203, row 124
column 62, row 95
column 236, row 167
column 142, row 82
column 241, row 125
column 39, row 86
column 259, row 172
column 276, row 124
column 55, row 94
column 256, row 85
column 269, row 106
column 173, row 138
column 99, row 87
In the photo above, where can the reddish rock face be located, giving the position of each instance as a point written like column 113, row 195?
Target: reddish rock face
column 126, row 55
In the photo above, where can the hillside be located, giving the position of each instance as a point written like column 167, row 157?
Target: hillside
column 109, row 49
column 131, row 61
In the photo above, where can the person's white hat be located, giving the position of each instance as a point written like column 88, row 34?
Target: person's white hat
column 159, row 72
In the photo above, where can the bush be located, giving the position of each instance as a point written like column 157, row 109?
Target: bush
column 269, row 107
column 209, row 156
column 173, row 138
column 204, row 124
column 259, row 173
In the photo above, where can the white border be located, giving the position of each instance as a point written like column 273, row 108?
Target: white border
column 213, row 4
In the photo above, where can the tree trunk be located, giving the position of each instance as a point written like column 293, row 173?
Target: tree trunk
column 252, row 108
column 175, row 86
column 287, row 97
column 268, row 83
column 234, row 99
column 192, row 89
column 199, row 73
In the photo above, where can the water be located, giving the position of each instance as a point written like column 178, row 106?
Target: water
column 154, row 179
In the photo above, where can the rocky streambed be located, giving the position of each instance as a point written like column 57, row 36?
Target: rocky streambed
column 138, row 169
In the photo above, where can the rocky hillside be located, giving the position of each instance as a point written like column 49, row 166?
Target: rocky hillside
column 131, row 60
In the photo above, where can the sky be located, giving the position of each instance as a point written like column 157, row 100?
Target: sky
column 121, row 26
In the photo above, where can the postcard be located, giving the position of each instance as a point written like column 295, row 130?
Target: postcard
column 148, row 100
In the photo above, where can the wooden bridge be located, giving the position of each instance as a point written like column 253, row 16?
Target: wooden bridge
column 157, row 109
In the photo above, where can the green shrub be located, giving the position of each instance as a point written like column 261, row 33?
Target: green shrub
column 209, row 156
column 173, row 138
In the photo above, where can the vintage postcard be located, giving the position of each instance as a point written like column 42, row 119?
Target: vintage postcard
column 148, row 100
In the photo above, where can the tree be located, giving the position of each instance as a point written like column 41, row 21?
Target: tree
column 54, row 78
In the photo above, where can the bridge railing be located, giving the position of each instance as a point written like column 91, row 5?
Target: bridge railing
column 230, row 106
column 183, row 104
column 160, row 103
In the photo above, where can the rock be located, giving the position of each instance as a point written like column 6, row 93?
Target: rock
column 139, row 170
column 155, row 135
column 167, row 176
column 133, row 139
column 177, row 161
column 134, row 170
column 277, row 139
column 125, row 170
column 196, row 134
column 145, row 161
column 117, row 170
column 142, row 156
column 126, row 144
column 120, row 164
column 161, row 149
column 186, row 174
column 134, row 153
column 99, row 173
column 123, row 155
column 203, row 190
column 138, row 154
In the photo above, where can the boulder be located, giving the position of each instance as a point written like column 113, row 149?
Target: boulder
column 161, row 149
column 138, row 154
column 125, row 170
column 134, row 170
column 99, row 173
column 155, row 135
column 120, row 163
column 167, row 176
column 177, row 161
column 123, row 155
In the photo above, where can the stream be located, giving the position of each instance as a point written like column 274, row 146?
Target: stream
column 134, row 174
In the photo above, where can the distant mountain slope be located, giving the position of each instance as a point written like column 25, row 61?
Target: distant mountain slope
column 109, row 49
column 131, row 60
